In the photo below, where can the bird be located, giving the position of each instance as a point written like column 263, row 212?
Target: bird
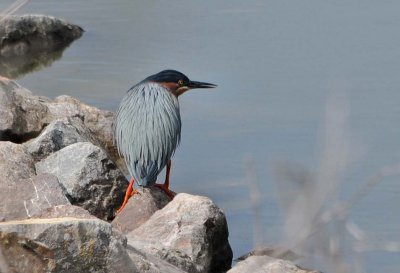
column 147, row 128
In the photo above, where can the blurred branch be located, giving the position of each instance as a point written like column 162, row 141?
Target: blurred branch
column 255, row 199
column 316, row 221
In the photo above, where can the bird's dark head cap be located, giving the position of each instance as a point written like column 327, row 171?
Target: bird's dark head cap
column 168, row 76
column 176, row 82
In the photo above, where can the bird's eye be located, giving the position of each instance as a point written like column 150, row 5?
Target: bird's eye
column 180, row 82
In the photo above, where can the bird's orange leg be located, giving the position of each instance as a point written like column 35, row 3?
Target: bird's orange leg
column 128, row 194
column 165, row 186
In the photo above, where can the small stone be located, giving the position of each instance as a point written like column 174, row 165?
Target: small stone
column 22, row 115
column 140, row 208
column 265, row 264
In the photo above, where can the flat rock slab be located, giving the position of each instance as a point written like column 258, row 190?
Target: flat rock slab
column 140, row 208
column 190, row 232
column 89, row 178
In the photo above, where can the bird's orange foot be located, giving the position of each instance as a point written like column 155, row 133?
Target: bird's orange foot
column 130, row 191
column 165, row 188
column 127, row 196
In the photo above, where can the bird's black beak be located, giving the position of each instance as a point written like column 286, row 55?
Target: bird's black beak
column 194, row 84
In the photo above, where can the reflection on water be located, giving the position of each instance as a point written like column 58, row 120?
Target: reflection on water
column 15, row 67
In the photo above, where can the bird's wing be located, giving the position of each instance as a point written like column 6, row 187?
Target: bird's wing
column 147, row 130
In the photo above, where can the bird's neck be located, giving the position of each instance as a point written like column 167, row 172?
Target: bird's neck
column 174, row 88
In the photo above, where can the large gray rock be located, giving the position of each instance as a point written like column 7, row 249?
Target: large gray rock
column 57, row 135
column 140, row 208
column 22, row 115
column 190, row 232
column 30, row 196
column 89, row 178
column 265, row 264
column 63, row 245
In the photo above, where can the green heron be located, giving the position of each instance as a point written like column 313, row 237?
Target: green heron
column 147, row 127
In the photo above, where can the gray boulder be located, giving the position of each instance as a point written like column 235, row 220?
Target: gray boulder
column 63, row 245
column 190, row 232
column 140, row 208
column 57, row 135
column 89, row 178
column 265, row 264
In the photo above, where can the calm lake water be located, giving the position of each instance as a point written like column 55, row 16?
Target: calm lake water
column 275, row 63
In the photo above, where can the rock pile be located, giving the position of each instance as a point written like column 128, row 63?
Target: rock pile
column 60, row 188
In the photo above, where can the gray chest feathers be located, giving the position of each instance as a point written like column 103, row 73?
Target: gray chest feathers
column 147, row 129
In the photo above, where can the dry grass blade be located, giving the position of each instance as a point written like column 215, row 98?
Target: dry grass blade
column 12, row 8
